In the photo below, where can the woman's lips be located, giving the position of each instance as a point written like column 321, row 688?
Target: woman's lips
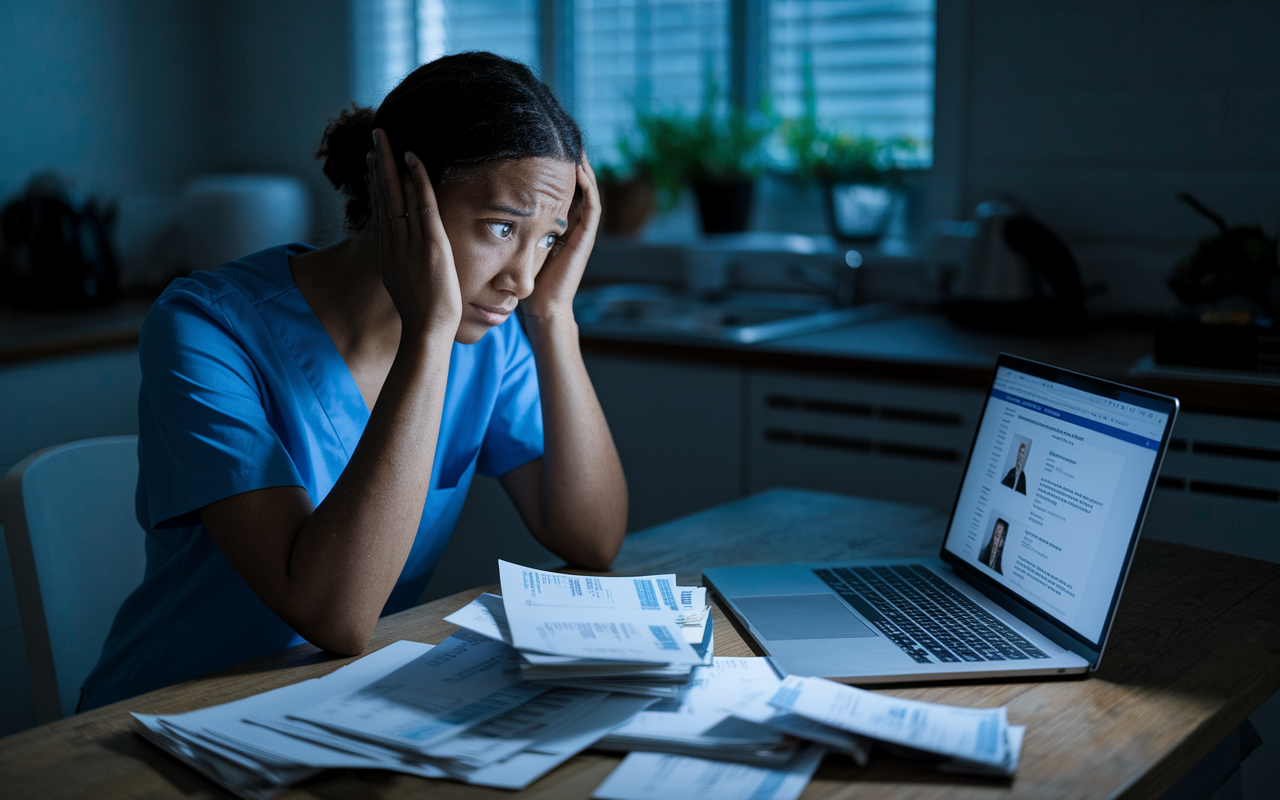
column 494, row 315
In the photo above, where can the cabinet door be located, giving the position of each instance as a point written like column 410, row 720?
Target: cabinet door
column 891, row 441
column 678, row 428
column 1219, row 486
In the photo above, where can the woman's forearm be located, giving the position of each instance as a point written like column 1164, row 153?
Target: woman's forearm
column 328, row 571
column 583, row 493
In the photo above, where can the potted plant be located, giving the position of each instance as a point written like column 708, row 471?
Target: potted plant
column 626, row 195
column 716, row 152
column 856, row 172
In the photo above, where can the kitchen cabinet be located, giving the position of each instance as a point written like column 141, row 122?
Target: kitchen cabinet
column 889, row 440
column 1219, row 487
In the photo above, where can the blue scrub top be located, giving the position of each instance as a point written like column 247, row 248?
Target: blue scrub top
column 243, row 389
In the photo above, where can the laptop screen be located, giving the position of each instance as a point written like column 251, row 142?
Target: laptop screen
column 1055, row 488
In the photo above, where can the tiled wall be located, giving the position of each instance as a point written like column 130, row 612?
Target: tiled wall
column 1097, row 113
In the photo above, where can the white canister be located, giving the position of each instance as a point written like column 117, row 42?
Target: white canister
column 225, row 217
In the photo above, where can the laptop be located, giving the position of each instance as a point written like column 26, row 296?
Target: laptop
column 1032, row 562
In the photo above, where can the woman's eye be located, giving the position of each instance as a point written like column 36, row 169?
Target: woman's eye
column 500, row 229
column 548, row 241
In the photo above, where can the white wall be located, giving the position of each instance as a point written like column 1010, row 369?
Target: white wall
column 1097, row 113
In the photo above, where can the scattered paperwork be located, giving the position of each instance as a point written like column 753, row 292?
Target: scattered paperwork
column 257, row 746
column 558, row 664
column 699, row 723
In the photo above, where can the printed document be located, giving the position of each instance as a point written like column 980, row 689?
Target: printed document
column 654, row 776
column 972, row 734
column 536, row 587
column 465, row 680
column 602, row 633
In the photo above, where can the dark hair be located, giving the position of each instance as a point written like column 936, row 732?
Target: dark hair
column 459, row 111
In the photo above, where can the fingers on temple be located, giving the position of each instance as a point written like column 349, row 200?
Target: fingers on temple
column 428, row 212
column 412, row 203
column 392, row 196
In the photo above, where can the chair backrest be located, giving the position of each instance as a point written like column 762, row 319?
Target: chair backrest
column 76, row 551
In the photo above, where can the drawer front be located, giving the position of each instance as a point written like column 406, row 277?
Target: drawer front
column 1219, row 487
column 884, row 440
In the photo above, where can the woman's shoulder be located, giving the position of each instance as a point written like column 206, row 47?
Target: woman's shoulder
column 254, row 278
column 204, row 303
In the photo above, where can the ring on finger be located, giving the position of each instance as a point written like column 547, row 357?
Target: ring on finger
column 405, row 215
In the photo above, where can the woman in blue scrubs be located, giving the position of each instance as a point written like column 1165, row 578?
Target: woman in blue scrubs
column 310, row 419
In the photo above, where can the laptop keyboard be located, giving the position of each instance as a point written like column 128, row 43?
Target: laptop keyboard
column 925, row 616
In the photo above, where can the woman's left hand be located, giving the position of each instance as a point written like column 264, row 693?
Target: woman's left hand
column 557, row 282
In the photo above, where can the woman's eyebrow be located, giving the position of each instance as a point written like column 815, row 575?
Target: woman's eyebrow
column 518, row 212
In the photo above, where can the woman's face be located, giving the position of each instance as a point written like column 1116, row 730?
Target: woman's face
column 502, row 221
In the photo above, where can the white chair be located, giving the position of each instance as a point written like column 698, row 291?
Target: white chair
column 76, row 550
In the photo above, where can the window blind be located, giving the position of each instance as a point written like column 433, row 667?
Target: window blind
column 652, row 54
column 872, row 64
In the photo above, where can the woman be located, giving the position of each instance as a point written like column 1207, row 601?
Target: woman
column 310, row 420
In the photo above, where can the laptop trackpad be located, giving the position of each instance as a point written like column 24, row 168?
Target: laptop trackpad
column 802, row 616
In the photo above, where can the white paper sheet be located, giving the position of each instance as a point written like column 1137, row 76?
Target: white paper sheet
column 559, row 745
column 602, row 633
column 653, row 776
column 536, row 587
column 516, row 730
column 485, row 615
column 467, row 679
column 973, row 734
column 226, row 724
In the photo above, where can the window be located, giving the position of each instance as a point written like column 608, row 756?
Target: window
column 871, row 61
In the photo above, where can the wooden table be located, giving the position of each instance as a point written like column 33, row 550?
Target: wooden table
column 1195, row 648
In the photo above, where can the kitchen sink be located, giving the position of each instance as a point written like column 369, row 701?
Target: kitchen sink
column 646, row 311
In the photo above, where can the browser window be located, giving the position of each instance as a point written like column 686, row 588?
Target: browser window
column 1051, row 499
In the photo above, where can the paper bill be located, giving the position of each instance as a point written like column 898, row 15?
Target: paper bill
column 601, row 633
column 467, row 679
column 654, row 776
column 973, row 734
column 485, row 615
column 517, row 729
column 536, row 587
column 557, row 745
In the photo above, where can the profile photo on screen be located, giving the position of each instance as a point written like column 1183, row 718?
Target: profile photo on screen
column 1015, row 464
column 993, row 544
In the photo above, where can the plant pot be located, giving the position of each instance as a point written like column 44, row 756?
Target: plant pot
column 857, row 211
column 725, row 206
column 625, row 206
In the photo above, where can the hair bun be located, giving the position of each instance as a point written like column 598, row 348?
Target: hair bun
column 343, row 149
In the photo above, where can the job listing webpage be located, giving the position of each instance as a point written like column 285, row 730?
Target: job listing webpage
column 1053, row 492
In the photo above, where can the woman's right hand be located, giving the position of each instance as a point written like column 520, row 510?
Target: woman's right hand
column 417, row 261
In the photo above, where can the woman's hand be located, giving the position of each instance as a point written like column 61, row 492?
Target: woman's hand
column 417, row 261
column 557, row 282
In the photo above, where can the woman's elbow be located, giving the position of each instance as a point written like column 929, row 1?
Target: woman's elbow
column 343, row 634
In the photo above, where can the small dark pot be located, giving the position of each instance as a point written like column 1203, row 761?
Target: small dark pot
column 625, row 205
column 725, row 206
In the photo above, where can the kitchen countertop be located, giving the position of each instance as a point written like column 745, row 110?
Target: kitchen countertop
column 919, row 346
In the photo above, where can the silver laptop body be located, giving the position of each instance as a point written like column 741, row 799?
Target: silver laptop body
column 1032, row 563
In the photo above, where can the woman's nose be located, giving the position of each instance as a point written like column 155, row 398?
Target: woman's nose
column 519, row 272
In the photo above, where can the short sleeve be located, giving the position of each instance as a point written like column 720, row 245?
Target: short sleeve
column 203, row 432
column 514, row 436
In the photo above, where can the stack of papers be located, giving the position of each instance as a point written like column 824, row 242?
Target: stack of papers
column 638, row 635
column 458, row 710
